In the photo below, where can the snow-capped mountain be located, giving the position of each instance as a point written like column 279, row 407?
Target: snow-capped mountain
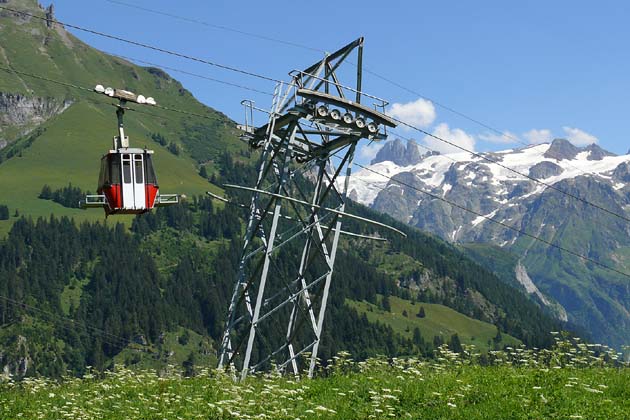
column 591, row 295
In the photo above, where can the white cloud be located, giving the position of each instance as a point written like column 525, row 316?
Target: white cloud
column 368, row 152
column 535, row 136
column 455, row 135
column 579, row 137
column 420, row 113
column 505, row 138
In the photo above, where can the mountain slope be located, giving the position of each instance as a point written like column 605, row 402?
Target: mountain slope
column 56, row 134
column 595, row 298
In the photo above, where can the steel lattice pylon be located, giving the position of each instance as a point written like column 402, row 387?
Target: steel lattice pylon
column 278, row 304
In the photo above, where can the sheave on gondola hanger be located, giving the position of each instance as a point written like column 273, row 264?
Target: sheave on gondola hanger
column 127, row 183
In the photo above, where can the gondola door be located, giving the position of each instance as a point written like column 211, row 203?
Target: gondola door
column 139, row 191
column 127, row 182
column 134, row 195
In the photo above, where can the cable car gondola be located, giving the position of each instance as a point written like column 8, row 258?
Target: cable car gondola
column 127, row 183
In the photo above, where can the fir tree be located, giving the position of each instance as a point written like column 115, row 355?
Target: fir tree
column 385, row 304
column 4, row 212
column 455, row 344
column 417, row 338
column 189, row 365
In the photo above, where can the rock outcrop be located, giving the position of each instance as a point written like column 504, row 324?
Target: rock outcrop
column 544, row 170
column 396, row 151
column 27, row 112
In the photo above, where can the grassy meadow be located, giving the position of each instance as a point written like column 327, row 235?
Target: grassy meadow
column 439, row 320
column 572, row 381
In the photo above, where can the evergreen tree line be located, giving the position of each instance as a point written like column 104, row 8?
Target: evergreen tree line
column 68, row 196
column 125, row 298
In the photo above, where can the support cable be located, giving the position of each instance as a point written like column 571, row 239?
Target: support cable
column 215, row 26
column 448, row 142
column 212, row 79
column 59, row 82
column 610, row 212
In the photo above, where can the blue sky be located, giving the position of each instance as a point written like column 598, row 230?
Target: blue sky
column 537, row 69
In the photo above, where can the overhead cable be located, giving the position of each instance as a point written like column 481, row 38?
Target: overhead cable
column 72, row 324
column 212, row 79
column 62, row 83
column 215, row 26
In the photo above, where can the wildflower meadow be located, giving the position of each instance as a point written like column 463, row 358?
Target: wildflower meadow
column 571, row 381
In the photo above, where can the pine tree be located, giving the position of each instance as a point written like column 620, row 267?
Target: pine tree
column 497, row 338
column 421, row 313
column 189, row 365
column 455, row 344
column 417, row 338
column 437, row 341
column 46, row 193
column 173, row 148
column 385, row 304
column 4, row 212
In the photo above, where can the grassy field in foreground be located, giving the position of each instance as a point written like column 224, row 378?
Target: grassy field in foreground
column 566, row 383
column 379, row 391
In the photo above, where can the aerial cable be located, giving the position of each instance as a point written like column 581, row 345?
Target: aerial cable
column 498, row 222
column 151, row 47
column 414, row 128
column 309, row 48
column 420, row 190
column 36, row 76
column 456, row 112
column 59, row 82
column 212, row 79
column 221, row 27
column 395, row 119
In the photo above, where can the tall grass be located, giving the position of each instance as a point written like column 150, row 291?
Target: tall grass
column 571, row 381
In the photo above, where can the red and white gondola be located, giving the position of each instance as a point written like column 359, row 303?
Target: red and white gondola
column 127, row 183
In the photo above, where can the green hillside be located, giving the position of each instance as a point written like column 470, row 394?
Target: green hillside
column 67, row 147
column 439, row 320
